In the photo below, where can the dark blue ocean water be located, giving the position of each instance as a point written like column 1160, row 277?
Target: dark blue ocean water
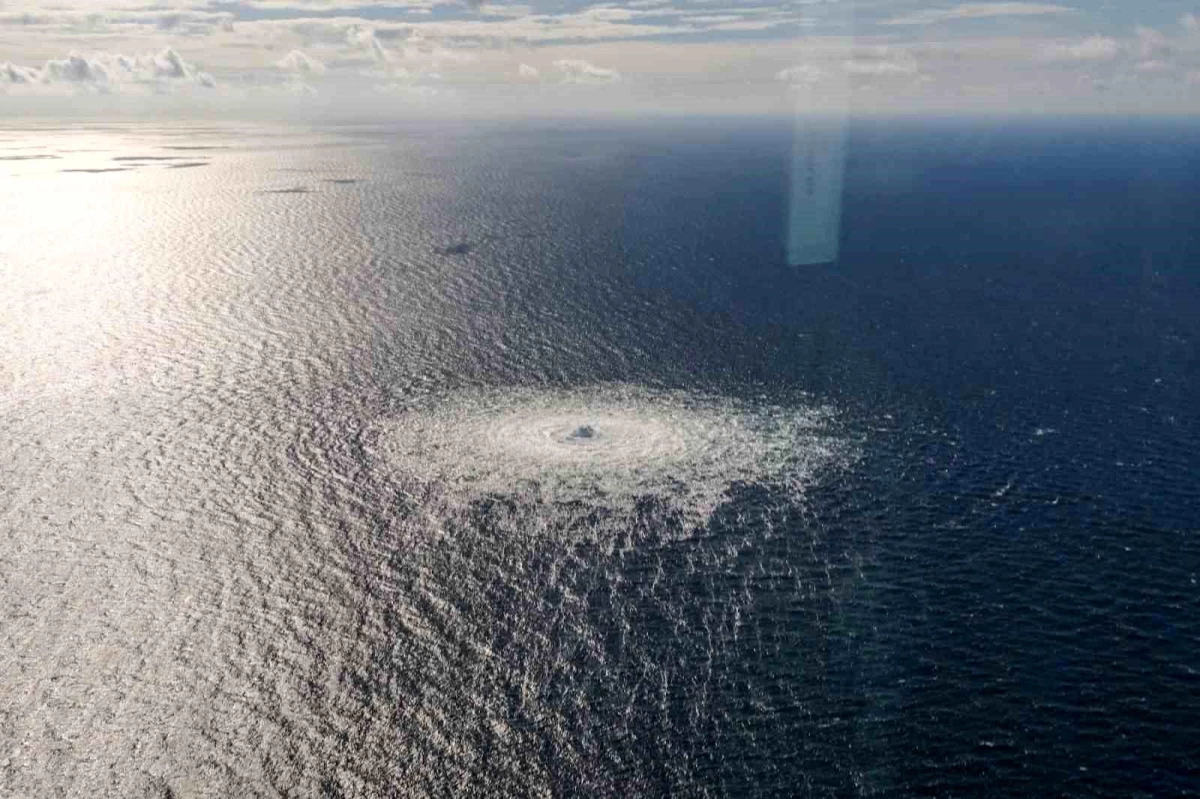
column 1015, row 316
column 220, row 578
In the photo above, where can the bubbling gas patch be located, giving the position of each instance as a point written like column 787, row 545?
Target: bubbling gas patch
column 608, row 446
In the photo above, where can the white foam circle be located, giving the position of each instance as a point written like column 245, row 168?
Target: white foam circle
column 608, row 445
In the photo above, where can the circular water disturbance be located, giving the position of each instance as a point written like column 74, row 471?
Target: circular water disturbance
column 608, row 446
column 583, row 432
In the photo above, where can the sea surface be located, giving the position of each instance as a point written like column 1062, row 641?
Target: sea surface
column 446, row 459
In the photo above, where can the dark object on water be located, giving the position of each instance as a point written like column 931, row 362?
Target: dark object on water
column 462, row 248
column 584, row 431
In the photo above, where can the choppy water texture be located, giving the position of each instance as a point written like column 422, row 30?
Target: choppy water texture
column 445, row 460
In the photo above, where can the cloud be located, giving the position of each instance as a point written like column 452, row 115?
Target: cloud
column 575, row 70
column 353, row 57
column 365, row 40
column 1146, row 57
column 74, row 69
column 169, row 65
column 300, row 63
column 53, row 19
column 802, row 74
column 1150, row 41
column 932, row 16
column 194, row 23
column 15, row 73
column 1093, row 48
column 1152, row 65
column 492, row 25
column 881, row 68
column 882, row 62
column 703, row 53
column 418, row 49
column 110, row 72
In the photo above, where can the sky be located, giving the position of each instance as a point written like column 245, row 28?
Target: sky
column 314, row 58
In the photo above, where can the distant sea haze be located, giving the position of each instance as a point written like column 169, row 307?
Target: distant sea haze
column 452, row 461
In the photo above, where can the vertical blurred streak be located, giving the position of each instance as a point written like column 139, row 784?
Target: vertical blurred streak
column 819, row 150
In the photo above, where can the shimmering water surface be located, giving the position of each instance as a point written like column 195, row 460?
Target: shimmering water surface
column 473, row 460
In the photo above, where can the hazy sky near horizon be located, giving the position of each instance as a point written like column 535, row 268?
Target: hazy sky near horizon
column 402, row 56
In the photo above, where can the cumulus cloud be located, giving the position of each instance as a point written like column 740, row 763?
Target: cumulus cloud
column 300, row 63
column 168, row 64
column 15, row 73
column 366, row 40
column 575, row 70
column 76, row 69
column 107, row 72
